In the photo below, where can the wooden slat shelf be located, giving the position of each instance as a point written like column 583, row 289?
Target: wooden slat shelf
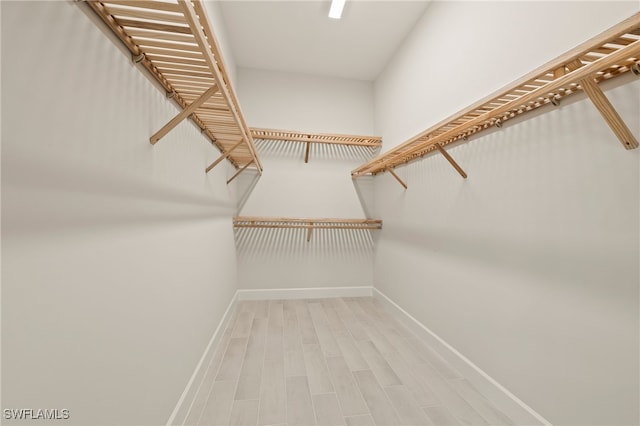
column 305, row 223
column 309, row 138
column 327, row 138
column 173, row 40
column 606, row 56
column 284, row 222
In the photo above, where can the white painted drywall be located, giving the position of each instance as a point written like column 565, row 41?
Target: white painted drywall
column 529, row 267
column 291, row 188
column 219, row 28
column 307, row 103
column 322, row 187
column 284, row 259
column 118, row 257
column 461, row 51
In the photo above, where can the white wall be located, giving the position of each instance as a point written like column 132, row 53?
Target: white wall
column 291, row 188
column 306, row 103
column 218, row 24
column 461, row 51
column 529, row 267
column 118, row 257
column 321, row 188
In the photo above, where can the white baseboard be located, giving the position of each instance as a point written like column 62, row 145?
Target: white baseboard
column 510, row 404
column 304, row 293
column 183, row 406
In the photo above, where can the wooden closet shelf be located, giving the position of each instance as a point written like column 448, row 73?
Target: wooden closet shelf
column 326, row 138
column 174, row 42
column 606, row 56
column 306, row 223
column 309, row 138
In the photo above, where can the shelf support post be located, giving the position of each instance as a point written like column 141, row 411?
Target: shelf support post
column 223, row 156
column 606, row 109
column 451, row 160
column 397, row 178
column 204, row 39
column 183, row 114
column 306, row 152
column 239, row 171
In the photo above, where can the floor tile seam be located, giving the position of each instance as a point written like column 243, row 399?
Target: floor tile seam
column 386, row 395
column 451, row 388
column 264, row 359
column 235, row 388
column 324, row 360
column 230, row 325
column 353, row 378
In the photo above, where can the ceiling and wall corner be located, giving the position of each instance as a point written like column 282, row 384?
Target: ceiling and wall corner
column 310, row 100
column 299, row 37
column 118, row 257
column 506, row 256
column 311, row 103
column 530, row 266
column 466, row 75
column 219, row 27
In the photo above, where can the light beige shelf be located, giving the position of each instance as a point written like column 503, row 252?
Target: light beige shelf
column 305, row 223
column 309, row 138
column 606, row 56
column 328, row 138
column 173, row 40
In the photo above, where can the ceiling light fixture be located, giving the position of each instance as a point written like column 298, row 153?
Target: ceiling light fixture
column 336, row 9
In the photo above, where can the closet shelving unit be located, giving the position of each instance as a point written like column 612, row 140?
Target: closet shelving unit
column 606, row 56
column 373, row 142
column 308, row 224
column 174, row 42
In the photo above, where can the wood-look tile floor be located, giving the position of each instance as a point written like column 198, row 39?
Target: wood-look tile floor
column 343, row 361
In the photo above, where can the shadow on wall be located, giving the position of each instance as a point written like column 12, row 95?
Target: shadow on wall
column 245, row 185
column 365, row 189
column 346, row 245
column 84, row 196
column 529, row 205
column 318, row 151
